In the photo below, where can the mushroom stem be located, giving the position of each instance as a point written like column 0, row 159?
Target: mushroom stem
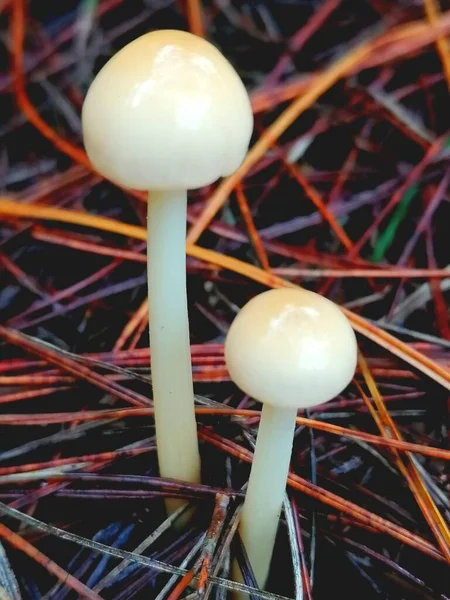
column 173, row 394
column 266, row 488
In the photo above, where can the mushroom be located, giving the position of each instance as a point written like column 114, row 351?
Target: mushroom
column 168, row 113
column 289, row 349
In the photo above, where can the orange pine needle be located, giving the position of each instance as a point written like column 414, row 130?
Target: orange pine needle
column 432, row 11
column 319, row 86
column 25, row 105
column 361, row 515
column 394, row 44
column 72, row 460
column 140, row 315
column 20, row 544
column 314, row 87
column 181, row 586
column 18, row 35
column 315, row 198
column 252, row 231
column 194, row 17
column 380, row 337
column 388, row 429
column 123, row 413
column 36, row 211
column 394, row 273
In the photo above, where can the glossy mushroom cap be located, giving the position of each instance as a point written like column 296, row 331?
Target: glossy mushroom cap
column 167, row 112
column 291, row 348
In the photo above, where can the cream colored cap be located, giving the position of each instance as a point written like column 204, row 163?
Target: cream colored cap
column 167, row 112
column 291, row 348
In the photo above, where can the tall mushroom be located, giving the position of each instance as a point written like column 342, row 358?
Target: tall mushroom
column 289, row 349
column 167, row 114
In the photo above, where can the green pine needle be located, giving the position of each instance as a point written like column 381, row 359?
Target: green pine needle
column 387, row 237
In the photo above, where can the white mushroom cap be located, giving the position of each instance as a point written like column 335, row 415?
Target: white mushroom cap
column 167, row 112
column 291, row 348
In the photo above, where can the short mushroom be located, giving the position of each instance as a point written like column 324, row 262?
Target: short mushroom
column 167, row 114
column 289, row 349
